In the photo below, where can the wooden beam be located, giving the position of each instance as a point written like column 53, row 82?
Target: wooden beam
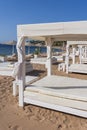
column 21, row 71
column 80, row 56
column 73, row 55
column 67, row 58
column 49, row 55
column 65, row 109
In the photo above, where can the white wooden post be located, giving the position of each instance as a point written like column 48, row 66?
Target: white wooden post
column 21, row 75
column 80, row 57
column 73, row 55
column 15, row 83
column 14, row 88
column 67, row 58
column 49, row 53
column 85, row 52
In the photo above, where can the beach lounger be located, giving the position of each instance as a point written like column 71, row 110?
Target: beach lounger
column 42, row 60
column 3, row 58
column 78, row 68
column 6, row 68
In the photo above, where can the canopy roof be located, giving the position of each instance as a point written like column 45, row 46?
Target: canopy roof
column 61, row 31
column 84, row 43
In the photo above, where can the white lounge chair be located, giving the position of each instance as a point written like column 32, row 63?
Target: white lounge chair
column 78, row 68
column 42, row 60
column 6, row 68
column 3, row 58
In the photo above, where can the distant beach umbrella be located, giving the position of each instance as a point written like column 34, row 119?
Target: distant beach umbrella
column 35, row 43
column 38, row 43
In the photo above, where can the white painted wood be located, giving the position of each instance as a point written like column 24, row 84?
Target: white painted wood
column 79, row 68
column 67, row 58
column 28, row 80
column 3, row 58
column 65, row 31
column 21, row 72
column 81, row 42
column 73, row 55
column 42, row 60
column 62, row 67
column 14, row 88
column 69, row 93
column 61, row 108
column 61, row 31
column 15, row 84
column 85, row 52
column 61, row 86
column 49, row 55
column 80, row 56
column 6, row 73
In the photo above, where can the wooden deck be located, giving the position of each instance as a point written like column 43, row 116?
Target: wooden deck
column 64, row 94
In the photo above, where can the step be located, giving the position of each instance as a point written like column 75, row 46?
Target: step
column 56, row 103
column 56, row 100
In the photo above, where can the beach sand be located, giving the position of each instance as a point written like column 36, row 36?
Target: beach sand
column 32, row 117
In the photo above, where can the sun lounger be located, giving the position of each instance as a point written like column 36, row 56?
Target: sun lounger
column 6, row 68
column 78, row 68
column 3, row 58
column 42, row 60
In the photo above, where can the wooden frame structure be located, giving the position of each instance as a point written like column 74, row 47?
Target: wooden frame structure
column 49, row 32
column 82, row 50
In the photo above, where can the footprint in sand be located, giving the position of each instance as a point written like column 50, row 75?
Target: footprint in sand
column 16, row 128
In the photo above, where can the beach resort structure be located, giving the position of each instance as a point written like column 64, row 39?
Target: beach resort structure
column 60, row 93
column 80, row 67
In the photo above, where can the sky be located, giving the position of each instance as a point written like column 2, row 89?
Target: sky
column 15, row 12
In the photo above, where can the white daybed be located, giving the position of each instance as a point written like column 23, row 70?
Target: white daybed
column 3, row 58
column 6, row 68
column 42, row 60
column 65, row 31
column 59, row 58
column 78, row 68
column 84, row 60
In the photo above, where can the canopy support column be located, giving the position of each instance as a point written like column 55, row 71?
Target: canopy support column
column 67, row 58
column 85, row 51
column 49, row 54
column 73, row 55
column 21, row 71
column 80, row 57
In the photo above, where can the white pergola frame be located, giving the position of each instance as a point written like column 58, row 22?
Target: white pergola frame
column 73, row 43
column 62, row 31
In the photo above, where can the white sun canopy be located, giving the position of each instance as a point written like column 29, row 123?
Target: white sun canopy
column 62, row 31
column 49, row 32
column 77, row 43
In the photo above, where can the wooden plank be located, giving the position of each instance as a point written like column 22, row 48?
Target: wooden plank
column 59, row 107
column 57, row 100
